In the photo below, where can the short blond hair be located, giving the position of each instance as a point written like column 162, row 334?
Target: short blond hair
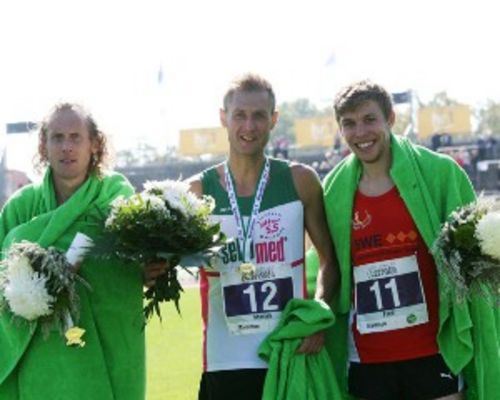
column 249, row 83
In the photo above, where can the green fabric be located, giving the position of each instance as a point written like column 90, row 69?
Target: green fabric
column 312, row 268
column 298, row 376
column 111, row 366
column 432, row 186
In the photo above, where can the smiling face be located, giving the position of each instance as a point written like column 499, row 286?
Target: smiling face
column 249, row 119
column 367, row 132
column 68, row 147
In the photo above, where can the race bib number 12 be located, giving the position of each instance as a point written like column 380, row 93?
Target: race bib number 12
column 254, row 305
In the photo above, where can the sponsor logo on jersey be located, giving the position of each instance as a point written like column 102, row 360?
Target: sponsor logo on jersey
column 261, row 252
column 361, row 221
column 270, row 225
column 368, row 242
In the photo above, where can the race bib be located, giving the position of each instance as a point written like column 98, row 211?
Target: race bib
column 388, row 295
column 253, row 302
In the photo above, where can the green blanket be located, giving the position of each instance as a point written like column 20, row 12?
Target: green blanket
column 432, row 186
column 111, row 366
column 292, row 375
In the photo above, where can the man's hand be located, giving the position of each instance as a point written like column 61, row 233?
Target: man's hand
column 312, row 344
column 153, row 270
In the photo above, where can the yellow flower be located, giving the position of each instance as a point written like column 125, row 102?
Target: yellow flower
column 74, row 336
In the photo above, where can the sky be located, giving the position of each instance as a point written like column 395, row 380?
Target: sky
column 107, row 55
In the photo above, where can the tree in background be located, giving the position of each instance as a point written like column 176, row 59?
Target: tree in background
column 441, row 99
column 488, row 118
column 402, row 121
column 142, row 154
column 289, row 112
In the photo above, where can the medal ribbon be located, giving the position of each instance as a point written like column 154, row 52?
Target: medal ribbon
column 244, row 233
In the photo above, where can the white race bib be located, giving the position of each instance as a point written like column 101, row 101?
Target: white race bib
column 253, row 304
column 388, row 295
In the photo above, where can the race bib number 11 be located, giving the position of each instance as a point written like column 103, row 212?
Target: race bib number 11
column 389, row 295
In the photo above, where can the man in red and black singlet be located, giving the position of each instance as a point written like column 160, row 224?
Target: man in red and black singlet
column 393, row 323
column 384, row 230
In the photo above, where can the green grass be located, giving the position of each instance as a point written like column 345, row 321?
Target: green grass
column 174, row 350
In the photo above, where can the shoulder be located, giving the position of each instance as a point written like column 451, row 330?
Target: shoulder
column 114, row 176
column 306, row 181
column 115, row 181
column 303, row 173
column 441, row 173
column 300, row 172
column 421, row 152
column 19, row 208
column 23, row 195
column 196, row 181
column 347, row 168
column 195, row 184
column 433, row 161
column 26, row 191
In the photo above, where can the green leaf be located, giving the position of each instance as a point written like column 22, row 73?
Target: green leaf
column 463, row 236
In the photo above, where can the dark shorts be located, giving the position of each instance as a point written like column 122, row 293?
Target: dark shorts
column 241, row 384
column 418, row 379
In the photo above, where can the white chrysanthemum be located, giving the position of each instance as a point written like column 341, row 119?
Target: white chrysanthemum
column 118, row 202
column 177, row 195
column 155, row 202
column 488, row 234
column 25, row 292
column 167, row 185
column 175, row 200
column 495, row 205
column 194, row 205
column 203, row 207
column 110, row 220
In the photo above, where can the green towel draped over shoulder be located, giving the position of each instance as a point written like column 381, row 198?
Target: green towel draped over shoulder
column 298, row 376
column 432, row 186
column 111, row 366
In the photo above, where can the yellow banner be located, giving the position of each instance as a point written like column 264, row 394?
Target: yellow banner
column 315, row 132
column 452, row 120
column 195, row 142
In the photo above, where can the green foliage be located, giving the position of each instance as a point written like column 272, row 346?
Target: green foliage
column 164, row 223
column 289, row 112
column 401, row 123
column 167, row 288
column 489, row 118
column 139, row 232
column 462, row 236
column 441, row 99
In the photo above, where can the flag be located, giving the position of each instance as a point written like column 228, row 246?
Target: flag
column 331, row 60
column 21, row 127
column 160, row 75
column 401, row 97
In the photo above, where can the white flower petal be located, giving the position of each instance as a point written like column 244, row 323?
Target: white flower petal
column 488, row 234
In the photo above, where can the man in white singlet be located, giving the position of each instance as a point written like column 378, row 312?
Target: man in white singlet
column 266, row 205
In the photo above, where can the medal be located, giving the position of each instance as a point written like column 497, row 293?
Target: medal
column 247, row 271
column 245, row 233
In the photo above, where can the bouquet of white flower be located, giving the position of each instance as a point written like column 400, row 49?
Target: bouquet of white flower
column 39, row 284
column 164, row 222
column 468, row 249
